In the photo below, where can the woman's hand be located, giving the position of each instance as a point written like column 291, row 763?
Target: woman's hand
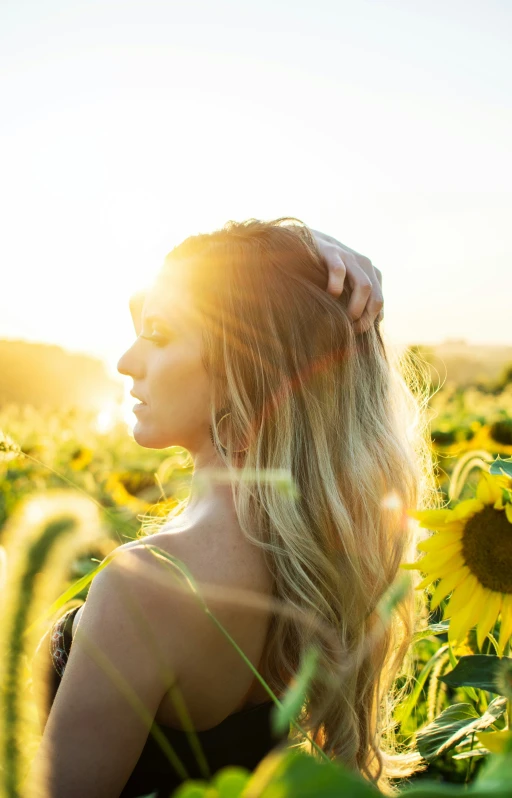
column 366, row 299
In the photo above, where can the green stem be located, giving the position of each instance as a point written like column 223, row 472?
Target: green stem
column 174, row 563
column 506, row 653
column 262, row 681
column 470, row 758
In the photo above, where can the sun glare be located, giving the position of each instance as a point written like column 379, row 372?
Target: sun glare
column 107, row 418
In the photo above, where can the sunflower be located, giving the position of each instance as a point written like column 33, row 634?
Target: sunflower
column 471, row 555
column 119, row 486
column 491, row 437
column 81, row 458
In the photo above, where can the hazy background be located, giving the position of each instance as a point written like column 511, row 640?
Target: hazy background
column 127, row 126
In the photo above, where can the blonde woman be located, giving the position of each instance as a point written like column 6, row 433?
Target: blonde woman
column 258, row 350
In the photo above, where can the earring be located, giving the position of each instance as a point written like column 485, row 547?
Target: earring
column 235, row 451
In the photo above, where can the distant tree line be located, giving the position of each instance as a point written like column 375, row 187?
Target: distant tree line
column 45, row 375
column 486, row 368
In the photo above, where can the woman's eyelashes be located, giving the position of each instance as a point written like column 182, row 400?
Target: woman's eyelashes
column 158, row 340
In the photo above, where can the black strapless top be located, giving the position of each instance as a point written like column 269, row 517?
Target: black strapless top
column 242, row 738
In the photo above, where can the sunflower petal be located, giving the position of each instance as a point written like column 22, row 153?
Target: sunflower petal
column 447, row 584
column 498, row 504
column 439, row 540
column 506, row 622
column 461, row 595
column 490, row 486
column 459, row 627
column 464, row 620
column 436, row 559
column 430, row 518
column 508, row 511
column 485, row 489
column 467, row 508
column 453, row 564
column 490, row 611
column 425, row 582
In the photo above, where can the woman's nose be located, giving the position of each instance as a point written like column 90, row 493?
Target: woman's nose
column 122, row 369
column 127, row 364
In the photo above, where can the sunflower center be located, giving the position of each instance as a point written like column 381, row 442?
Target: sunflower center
column 487, row 549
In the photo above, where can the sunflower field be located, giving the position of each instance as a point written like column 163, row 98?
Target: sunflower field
column 71, row 492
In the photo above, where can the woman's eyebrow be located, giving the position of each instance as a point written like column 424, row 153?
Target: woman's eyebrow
column 136, row 304
column 160, row 317
column 156, row 317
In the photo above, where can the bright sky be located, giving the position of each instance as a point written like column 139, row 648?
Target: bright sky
column 127, row 126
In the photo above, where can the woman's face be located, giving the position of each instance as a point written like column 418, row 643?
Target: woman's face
column 168, row 374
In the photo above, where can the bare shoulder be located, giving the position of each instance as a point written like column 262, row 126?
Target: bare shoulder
column 209, row 563
column 216, row 551
column 166, row 579
column 144, row 597
column 128, row 573
column 236, row 585
column 156, row 567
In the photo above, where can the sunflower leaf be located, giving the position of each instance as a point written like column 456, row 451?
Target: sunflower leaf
column 476, row 670
column 454, row 725
column 231, row 781
column 501, row 467
column 495, row 774
column 298, row 774
column 496, row 741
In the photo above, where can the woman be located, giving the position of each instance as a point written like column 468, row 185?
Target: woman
column 243, row 358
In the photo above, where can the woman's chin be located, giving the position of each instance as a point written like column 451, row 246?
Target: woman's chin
column 143, row 435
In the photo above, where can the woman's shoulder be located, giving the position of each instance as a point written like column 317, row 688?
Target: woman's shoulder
column 229, row 572
column 76, row 618
column 142, row 575
column 214, row 549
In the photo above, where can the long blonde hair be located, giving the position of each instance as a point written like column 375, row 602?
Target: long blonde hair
column 346, row 419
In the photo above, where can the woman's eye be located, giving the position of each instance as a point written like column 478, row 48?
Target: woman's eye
column 158, row 340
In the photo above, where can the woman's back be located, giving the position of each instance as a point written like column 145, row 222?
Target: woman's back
column 216, row 681
column 226, row 704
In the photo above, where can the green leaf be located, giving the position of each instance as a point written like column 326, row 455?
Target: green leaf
column 495, row 774
column 501, row 467
column 72, row 590
column 194, row 788
column 475, row 670
column 294, row 774
column 432, row 789
column 230, row 781
column 227, row 783
column 495, row 741
column 454, row 725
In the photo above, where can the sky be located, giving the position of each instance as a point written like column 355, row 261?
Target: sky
column 128, row 126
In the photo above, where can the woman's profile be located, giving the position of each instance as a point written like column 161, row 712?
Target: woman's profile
column 308, row 447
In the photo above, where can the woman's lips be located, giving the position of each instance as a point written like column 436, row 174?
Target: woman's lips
column 138, row 406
